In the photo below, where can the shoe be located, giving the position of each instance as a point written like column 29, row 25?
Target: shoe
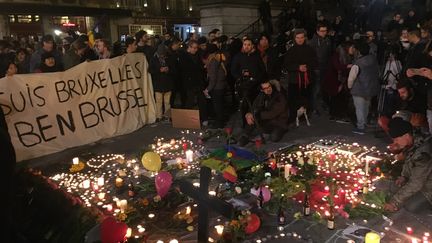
column 359, row 131
column 343, row 121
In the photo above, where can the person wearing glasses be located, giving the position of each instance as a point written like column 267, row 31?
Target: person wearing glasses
column 268, row 114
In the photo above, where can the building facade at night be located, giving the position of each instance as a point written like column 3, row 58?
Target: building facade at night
column 24, row 18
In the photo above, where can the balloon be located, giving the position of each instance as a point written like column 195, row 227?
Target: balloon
column 253, row 224
column 163, row 183
column 265, row 191
column 112, row 231
column 151, row 161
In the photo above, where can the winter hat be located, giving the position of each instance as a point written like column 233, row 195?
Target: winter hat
column 399, row 127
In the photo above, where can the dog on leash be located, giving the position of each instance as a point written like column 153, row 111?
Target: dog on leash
column 302, row 112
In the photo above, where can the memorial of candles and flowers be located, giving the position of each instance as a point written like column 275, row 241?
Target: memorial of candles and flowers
column 137, row 198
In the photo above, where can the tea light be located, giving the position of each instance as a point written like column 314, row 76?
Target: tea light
column 212, row 193
column 173, row 241
column 173, row 141
column 128, row 233
column 109, row 207
column 151, row 215
column 119, row 182
column 75, row 161
column 189, row 155
column 100, row 181
column 409, row 230
column 219, row 229
column 123, row 205
column 86, row 184
column 188, row 210
column 141, row 230
column 101, row 195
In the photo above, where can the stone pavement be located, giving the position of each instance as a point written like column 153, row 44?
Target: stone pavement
column 297, row 230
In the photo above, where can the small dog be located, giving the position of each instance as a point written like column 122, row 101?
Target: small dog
column 302, row 112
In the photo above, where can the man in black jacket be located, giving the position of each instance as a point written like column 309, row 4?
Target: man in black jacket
column 249, row 70
column 268, row 114
column 192, row 73
column 300, row 63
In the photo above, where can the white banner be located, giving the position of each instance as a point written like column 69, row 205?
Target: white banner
column 49, row 112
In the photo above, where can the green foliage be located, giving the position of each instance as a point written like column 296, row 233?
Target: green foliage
column 377, row 198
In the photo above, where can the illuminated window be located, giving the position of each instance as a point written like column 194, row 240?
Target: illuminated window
column 25, row 19
column 12, row 18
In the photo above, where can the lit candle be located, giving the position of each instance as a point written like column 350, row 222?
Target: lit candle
column 219, row 229
column 101, row 195
column 212, row 193
column 367, row 168
column 109, row 207
column 100, row 181
column 409, row 230
column 75, row 161
column 188, row 210
column 119, row 182
column 189, row 155
column 287, row 171
column 173, row 141
column 128, row 233
column 372, row 237
column 86, row 184
column 123, row 205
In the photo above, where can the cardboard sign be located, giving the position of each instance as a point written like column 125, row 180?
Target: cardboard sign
column 183, row 118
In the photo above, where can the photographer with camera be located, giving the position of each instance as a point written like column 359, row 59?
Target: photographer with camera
column 249, row 71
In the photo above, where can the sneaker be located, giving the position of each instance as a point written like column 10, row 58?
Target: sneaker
column 359, row 131
column 343, row 121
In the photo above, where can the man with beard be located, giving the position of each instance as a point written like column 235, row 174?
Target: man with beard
column 415, row 182
column 268, row 114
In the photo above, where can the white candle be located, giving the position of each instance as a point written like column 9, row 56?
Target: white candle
column 100, row 181
column 75, row 161
column 287, row 171
column 367, row 168
column 86, row 184
column 101, row 195
column 123, row 205
column 109, row 207
column 189, row 155
column 128, row 233
column 219, row 229
column 188, row 210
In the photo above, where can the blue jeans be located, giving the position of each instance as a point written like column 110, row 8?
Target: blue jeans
column 362, row 110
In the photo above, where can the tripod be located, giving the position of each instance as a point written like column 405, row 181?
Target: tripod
column 391, row 72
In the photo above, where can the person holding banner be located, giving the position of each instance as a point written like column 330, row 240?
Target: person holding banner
column 161, row 69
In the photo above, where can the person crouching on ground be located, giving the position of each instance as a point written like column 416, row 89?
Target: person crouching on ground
column 268, row 114
column 415, row 182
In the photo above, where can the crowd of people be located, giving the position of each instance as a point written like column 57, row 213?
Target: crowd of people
column 357, row 74
column 337, row 66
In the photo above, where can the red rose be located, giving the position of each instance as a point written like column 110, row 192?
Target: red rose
column 228, row 130
column 258, row 143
